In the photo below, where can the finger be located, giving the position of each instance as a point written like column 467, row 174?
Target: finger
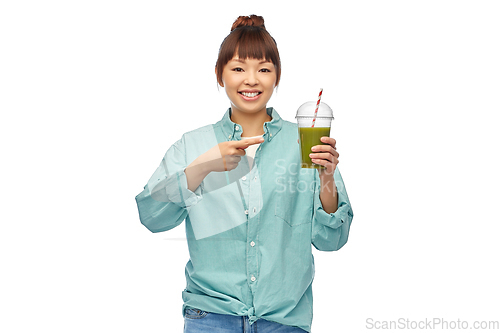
column 244, row 144
column 236, row 156
column 233, row 158
column 323, row 148
column 331, row 141
column 334, row 153
column 239, row 151
column 318, row 161
column 323, row 156
column 329, row 164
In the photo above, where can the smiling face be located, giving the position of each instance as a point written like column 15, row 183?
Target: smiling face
column 249, row 84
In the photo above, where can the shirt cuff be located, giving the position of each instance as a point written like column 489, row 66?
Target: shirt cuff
column 174, row 189
column 189, row 197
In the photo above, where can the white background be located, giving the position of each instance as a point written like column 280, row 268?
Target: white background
column 92, row 94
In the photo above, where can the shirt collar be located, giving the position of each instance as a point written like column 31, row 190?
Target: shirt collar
column 232, row 131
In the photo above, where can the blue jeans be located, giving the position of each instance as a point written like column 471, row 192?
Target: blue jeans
column 198, row 321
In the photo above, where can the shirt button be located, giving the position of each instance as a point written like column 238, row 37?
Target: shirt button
column 244, row 178
column 254, row 209
column 252, row 244
column 270, row 134
column 230, row 136
column 255, row 178
column 237, row 127
column 253, row 278
column 246, row 212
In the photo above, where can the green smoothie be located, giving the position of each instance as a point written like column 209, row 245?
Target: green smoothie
column 310, row 137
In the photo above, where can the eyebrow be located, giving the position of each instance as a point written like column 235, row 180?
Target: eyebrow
column 243, row 61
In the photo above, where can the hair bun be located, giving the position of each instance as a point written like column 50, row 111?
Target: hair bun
column 251, row 20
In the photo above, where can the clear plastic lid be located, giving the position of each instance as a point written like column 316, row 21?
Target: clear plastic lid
column 307, row 110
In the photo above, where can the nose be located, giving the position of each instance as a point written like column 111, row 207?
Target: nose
column 251, row 79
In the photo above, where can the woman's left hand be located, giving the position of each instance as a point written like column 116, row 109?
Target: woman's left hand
column 325, row 155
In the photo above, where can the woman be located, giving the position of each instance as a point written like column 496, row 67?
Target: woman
column 250, row 222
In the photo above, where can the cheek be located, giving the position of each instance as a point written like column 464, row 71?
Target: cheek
column 227, row 78
column 229, row 82
column 271, row 82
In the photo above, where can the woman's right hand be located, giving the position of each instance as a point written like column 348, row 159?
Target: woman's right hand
column 226, row 155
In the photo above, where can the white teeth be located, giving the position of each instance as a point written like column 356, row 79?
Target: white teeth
column 250, row 94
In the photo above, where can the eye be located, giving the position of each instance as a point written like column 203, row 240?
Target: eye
column 265, row 70
column 238, row 69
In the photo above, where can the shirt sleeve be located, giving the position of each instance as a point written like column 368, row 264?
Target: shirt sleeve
column 330, row 231
column 166, row 200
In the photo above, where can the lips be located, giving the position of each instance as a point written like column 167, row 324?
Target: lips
column 247, row 94
column 250, row 95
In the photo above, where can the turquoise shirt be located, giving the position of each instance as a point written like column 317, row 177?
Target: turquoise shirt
column 249, row 230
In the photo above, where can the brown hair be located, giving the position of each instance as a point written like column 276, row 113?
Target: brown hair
column 248, row 39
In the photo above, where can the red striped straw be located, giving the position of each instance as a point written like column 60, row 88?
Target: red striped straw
column 317, row 106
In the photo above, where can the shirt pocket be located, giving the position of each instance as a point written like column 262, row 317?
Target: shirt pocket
column 294, row 199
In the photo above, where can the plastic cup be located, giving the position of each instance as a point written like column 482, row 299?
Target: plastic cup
column 311, row 136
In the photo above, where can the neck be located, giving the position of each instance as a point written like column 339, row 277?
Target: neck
column 252, row 124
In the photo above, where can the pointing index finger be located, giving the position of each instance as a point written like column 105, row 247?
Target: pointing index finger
column 249, row 142
column 256, row 140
